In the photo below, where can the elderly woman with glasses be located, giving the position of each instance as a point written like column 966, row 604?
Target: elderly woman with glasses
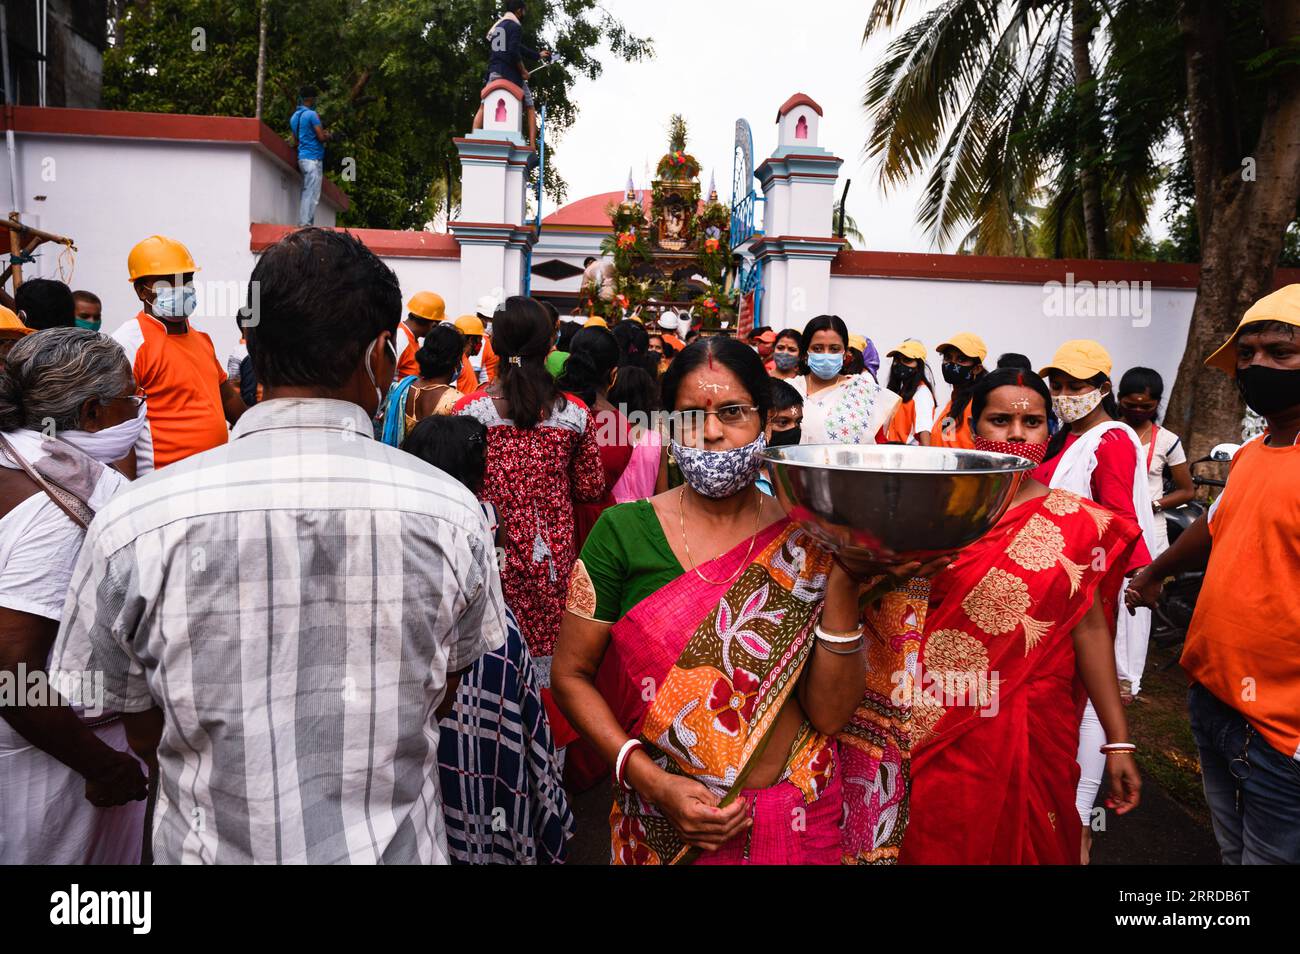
column 732, row 655
column 70, row 791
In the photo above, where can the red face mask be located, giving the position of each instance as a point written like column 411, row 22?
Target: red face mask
column 1033, row 451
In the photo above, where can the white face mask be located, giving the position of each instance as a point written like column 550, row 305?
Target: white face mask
column 112, row 443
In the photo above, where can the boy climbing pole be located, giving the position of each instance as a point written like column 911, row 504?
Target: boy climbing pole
column 507, row 63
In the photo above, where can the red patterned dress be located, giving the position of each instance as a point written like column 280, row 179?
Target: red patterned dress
column 534, row 476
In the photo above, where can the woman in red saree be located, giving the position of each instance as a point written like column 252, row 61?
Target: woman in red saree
column 731, row 697
column 1015, row 641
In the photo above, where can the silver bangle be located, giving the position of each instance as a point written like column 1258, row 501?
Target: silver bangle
column 841, row 652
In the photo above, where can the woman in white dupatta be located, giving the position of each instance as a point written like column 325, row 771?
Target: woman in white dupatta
column 70, row 791
column 1102, row 461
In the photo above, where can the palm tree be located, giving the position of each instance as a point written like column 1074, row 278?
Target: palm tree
column 1002, row 101
column 849, row 226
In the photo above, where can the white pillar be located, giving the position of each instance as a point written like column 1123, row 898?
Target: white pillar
column 491, row 231
column 797, row 246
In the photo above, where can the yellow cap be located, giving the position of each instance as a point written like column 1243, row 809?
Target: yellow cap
column 595, row 321
column 911, row 348
column 1080, row 358
column 972, row 346
column 858, row 341
column 469, row 325
column 10, row 326
column 427, row 305
column 158, row 255
column 1282, row 305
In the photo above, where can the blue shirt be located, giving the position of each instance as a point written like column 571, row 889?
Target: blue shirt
column 508, row 50
column 303, row 123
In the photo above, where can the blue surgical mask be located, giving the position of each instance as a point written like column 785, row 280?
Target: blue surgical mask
column 88, row 325
column 826, row 366
column 175, row 303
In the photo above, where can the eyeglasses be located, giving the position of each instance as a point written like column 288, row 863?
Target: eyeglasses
column 687, row 426
column 136, row 399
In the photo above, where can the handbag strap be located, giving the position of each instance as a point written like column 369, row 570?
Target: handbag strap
column 79, row 513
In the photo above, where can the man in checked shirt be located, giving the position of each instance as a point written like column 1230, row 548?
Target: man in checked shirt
column 281, row 617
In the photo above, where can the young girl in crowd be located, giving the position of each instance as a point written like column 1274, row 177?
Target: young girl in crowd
column 480, row 777
column 963, row 365
column 786, row 351
column 589, row 373
column 636, row 395
column 909, row 378
column 542, row 458
column 1100, row 458
column 431, row 391
column 1140, row 392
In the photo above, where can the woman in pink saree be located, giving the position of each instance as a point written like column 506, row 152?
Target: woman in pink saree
column 718, row 660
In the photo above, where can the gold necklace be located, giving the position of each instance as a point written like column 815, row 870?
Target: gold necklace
column 681, row 519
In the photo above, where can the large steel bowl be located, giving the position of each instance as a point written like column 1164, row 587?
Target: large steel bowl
column 894, row 502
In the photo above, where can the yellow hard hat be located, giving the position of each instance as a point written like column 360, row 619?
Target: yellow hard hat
column 427, row 305
column 858, row 341
column 1080, row 358
column 1282, row 305
column 159, row 255
column 470, row 325
column 972, row 346
column 11, row 326
column 595, row 321
column 911, row 348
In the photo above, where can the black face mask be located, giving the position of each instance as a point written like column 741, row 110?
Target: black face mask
column 901, row 376
column 1136, row 417
column 786, row 438
column 959, row 375
column 1269, row 390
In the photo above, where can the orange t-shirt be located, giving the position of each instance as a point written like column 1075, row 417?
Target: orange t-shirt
column 406, row 344
column 1243, row 644
column 182, row 378
column 955, row 436
column 467, row 383
column 904, row 422
column 490, row 359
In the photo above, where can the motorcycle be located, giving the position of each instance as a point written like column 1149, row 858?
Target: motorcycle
column 1172, row 613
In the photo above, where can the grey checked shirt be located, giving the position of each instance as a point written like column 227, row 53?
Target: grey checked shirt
column 293, row 601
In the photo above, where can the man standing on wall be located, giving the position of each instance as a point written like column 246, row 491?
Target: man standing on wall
column 309, row 137
column 507, row 63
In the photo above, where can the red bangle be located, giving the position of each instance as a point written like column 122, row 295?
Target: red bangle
column 620, row 764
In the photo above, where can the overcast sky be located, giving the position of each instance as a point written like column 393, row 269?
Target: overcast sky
column 719, row 60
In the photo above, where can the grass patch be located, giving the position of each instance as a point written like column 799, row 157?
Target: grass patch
column 1159, row 725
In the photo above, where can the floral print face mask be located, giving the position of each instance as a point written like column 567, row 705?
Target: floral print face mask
column 720, row 474
column 1074, row 407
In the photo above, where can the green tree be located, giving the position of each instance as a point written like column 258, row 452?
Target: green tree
column 398, row 79
column 1030, row 146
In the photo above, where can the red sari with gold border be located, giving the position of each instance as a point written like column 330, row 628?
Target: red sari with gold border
column 996, row 704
